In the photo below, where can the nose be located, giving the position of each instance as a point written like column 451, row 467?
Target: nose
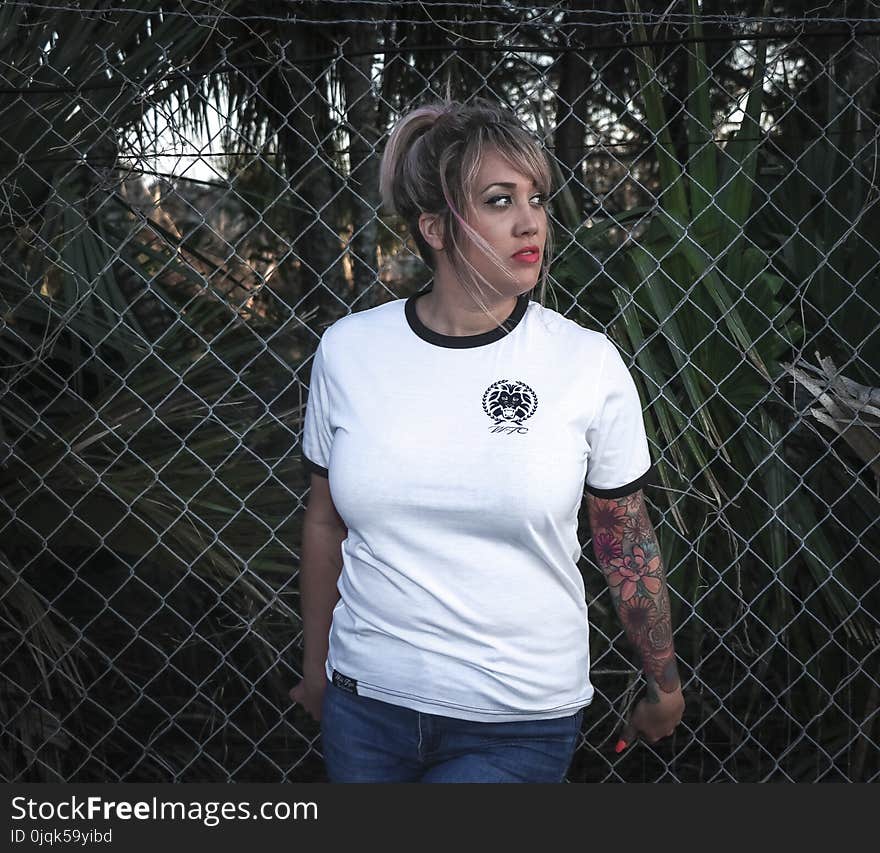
column 528, row 223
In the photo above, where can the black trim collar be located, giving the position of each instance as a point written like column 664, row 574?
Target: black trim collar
column 463, row 341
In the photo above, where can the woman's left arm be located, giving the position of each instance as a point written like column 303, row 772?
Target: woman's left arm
column 628, row 555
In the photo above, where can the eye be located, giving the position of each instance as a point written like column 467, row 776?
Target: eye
column 542, row 199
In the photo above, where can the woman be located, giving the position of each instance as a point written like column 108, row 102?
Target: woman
column 446, row 633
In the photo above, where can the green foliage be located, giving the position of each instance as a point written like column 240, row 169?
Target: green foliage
column 698, row 294
column 146, row 512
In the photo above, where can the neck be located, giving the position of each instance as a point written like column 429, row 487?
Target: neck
column 451, row 311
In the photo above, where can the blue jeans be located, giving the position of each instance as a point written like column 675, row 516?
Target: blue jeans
column 367, row 740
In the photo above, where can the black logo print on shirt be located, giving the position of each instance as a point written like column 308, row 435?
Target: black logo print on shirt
column 509, row 402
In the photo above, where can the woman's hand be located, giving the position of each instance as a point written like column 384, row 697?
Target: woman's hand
column 310, row 692
column 654, row 717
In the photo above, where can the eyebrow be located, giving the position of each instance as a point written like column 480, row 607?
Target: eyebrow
column 503, row 184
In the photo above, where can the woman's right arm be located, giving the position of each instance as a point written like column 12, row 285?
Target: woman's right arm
column 320, row 566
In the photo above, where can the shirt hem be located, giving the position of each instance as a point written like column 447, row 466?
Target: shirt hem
column 647, row 479
column 459, row 711
column 314, row 468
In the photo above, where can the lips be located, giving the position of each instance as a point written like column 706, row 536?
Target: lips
column 530, row 254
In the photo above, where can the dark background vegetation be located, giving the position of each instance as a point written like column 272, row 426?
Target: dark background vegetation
column 716, row 174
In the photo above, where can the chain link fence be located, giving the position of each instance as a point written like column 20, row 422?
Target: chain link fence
column 189, row 196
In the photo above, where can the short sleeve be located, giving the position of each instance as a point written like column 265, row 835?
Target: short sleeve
column 619, row 460
column 317, row 431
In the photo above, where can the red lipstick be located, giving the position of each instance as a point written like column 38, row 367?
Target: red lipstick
column 528, row 254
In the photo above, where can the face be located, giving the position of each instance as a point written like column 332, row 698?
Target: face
column 510, row 214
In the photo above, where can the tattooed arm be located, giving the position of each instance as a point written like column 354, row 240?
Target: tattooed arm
column 629, row 557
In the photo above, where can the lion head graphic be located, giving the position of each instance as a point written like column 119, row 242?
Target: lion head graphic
column 509, row 400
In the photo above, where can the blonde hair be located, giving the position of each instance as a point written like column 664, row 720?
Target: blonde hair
column 430, row 164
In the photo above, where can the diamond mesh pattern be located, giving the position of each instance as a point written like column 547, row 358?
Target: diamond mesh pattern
column 187, row 199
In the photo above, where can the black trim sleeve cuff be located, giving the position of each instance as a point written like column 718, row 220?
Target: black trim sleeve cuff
column 314, row 468
column 647, row 479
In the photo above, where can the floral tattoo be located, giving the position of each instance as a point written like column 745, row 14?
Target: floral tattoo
column 626, row 549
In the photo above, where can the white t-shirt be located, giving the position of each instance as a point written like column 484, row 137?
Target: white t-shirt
column 458, row 465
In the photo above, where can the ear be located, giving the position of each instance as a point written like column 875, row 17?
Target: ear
column 431, row 226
